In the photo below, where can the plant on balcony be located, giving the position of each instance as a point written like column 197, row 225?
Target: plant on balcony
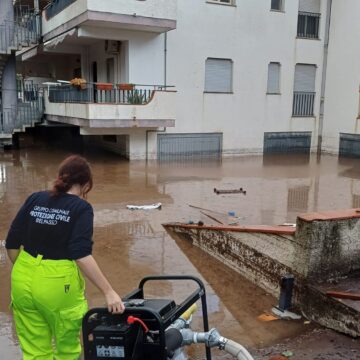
column 136, row 98
column 104, row 86
column 126, row 86
column 79, row 83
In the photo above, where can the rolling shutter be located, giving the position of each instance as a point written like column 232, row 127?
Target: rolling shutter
column 305, row 78
column 273, row 78
column 312, row 6
column 218, row 75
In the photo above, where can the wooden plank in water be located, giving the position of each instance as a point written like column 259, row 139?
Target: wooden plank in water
column 343, row 295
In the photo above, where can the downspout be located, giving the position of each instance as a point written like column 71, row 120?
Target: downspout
column 323, row 79
column 147, row 140
column 165, row 60
column 165, row 81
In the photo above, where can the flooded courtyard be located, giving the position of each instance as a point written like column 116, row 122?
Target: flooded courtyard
column 132, row 244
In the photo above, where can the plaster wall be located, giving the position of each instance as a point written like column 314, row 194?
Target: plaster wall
column 158, row 9
column 342, row 95
column 252, row 36
column 141, row 58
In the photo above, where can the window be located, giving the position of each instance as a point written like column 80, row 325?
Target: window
column 277, row 5
column 227, row 2
column 218, row 75
column 308, row 19
column 273, row 85
column 304, row 90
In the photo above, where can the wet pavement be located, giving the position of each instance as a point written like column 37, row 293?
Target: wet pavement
column 132, row 244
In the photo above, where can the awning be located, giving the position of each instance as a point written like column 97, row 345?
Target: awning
column 59, row 39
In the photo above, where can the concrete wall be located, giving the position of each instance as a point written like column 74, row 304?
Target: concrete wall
column 324, row 247
column 343, row 75
column 158, row 9
column 160, row 108
column 141, row 58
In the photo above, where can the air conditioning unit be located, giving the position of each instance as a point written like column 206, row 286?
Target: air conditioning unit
column 112, row 46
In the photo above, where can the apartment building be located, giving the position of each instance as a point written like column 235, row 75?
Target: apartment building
column 180, row 78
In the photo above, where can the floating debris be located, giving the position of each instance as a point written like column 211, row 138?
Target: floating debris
column 144, row 207
column 231, row 191
column 344, row 295
column 267, row 317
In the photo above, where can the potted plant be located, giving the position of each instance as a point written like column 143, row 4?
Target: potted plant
column 78, row 83
column 127, row 87
column 104, row 86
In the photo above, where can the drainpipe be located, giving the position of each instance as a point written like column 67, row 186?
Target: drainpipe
column 165, row 60
column 37, row 13
column 323, row 80
column 147, row 140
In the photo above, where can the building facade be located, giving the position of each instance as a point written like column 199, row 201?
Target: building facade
column 182, row 78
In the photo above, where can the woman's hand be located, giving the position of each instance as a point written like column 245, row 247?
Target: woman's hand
column 91, row 269
column 114, row 302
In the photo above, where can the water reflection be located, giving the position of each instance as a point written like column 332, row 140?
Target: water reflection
column 132, row 244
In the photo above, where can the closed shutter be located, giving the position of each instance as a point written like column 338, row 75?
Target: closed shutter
column 305, row 78
column 273, row 78
column 218, row 75
column 309, row 6
column 185, row 146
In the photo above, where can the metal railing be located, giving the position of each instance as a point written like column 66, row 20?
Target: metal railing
column 308, row 25
column 22, row 32
column 96, row 93
column 27, row 112
column 55, row 7
column 303, row 103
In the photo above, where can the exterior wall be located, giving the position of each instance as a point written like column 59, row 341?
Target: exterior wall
column 160, row 109
column 158, row 9
column 252, row 36
column 141, row 59
column 343, row 75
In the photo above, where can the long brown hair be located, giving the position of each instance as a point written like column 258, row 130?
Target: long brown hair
column 74, row 170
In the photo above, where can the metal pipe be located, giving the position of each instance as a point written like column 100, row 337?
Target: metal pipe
column 323, row 79
column 165, row 59
column 211, row 339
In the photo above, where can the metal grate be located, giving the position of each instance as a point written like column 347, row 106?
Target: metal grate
column 187, row 146
column 298, row 198
column 303, row 103
column 349, row 145
column 287, row 142
column 308, row 25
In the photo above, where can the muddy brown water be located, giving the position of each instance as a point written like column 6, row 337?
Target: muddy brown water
column 132, row 244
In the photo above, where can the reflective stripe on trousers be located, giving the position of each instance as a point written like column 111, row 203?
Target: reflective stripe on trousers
column 48, row 305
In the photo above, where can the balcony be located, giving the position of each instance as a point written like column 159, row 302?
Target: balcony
column 303, row 104
column 308, row 25
column 108, row 106
column 152, row 15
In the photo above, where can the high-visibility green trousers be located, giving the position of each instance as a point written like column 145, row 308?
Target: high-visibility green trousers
column 48, row 305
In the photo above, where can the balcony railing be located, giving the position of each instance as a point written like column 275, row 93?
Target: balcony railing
column 102, row 93
column 308, row 25
column 56, row 6
column 29, row 109
column 20, row 33
column 303, row 103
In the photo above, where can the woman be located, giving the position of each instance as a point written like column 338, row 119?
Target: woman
column 49, row 240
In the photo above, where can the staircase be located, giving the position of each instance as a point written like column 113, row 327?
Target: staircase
column 14, row 36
